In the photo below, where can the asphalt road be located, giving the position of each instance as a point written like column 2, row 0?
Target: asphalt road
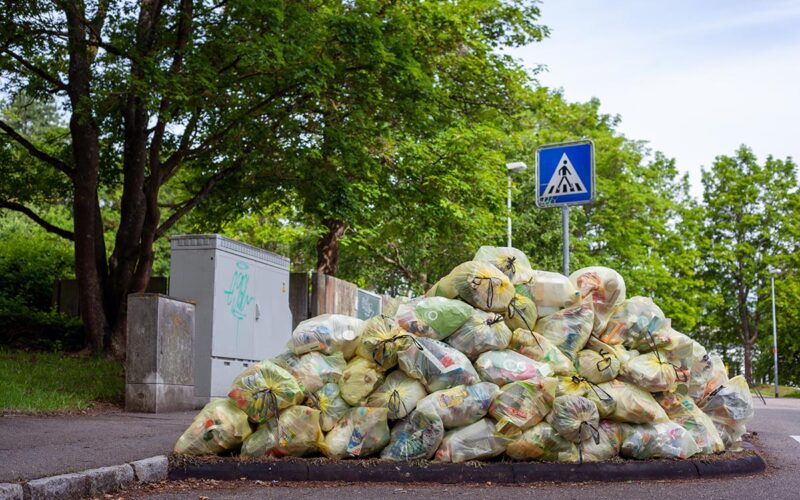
column 773, row 426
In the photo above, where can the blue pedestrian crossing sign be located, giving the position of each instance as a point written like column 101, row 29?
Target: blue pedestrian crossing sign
column 565, row 174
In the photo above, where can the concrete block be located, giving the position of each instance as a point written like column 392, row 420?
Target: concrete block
column 108, row 479
column 151, row 469
column 64, row 486
column 11, row 491
column 158, row 398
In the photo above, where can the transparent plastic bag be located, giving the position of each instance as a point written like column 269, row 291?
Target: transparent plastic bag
column 262, row 442
column 650, row 372
column 437, row 365
column 381, row 340
column 606, row 288
column 399, row 393
column 473, row 442
column 482, row 332
column 263, row 389
column 607, row 446
column 632, row 404
column 630, row 321
column 707, row 374
column 661, row 440
column 597, row 366
column 299, row 432
column 328, row 333
column 574, row 417
column 508, row 260
column 551, row 292
column 359, row 379
column 521, row 313
column 312, row 370
column 730, row 405
column 568, row 329
column 542, row 442
column 538, row 348
column 433, row 317
column 682, row 410
column 330, row 404
column 461, row 405
column 579, row 386
column 521, row 405
column 504, row 367
column 359, row 433
column 219, row 426
column 416, row 437
column 478, row 283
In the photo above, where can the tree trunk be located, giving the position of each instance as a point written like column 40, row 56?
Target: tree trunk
column 748, row 361
column 328, row 247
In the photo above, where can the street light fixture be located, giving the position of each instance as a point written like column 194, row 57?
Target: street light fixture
column 516, row 166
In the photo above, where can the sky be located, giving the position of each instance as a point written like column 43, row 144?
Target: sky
column 695, row 79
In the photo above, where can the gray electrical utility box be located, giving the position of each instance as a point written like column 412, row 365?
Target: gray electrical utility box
column 242, row 306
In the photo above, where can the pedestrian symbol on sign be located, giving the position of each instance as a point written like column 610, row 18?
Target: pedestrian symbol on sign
column 564, row 180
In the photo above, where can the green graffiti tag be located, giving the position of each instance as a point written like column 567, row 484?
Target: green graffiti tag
column 237, row 297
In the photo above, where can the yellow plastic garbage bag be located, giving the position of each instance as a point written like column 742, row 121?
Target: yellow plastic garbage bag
column 707, row 374
column 219, row 426
column 381, row 340
column 538, row 348
column 574, row 417
column 521, row 405
column 650, row 372
column 542, row 442
column 597, row 366
column 579, row 386
column 433, row 317
column 473, row 442
column 482, row 332
column 478, row 283
column 682, row 410
column 510, row 261
column 632, row 404
column 606, row 288
column 327, row 333
column 521, row 313
column 312, row 370
column 630, row 322
column 416, row 437
column 607, row 446
column 263, row 389
column 299, row 432
column 361, row 432
column 330, row 404
column 730, row 404
column 551, row 292
column 568, row 329
column 437, row 365
column 506, row 366
column 359, row 379
column 399, row 393
column 461, row 405
column 262, row 442
column 661, row 440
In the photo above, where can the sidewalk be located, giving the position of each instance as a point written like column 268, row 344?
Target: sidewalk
column 34, row 447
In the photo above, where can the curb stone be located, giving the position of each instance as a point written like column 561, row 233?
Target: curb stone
column 151, row 469
column 63, row 486
column 107, row 479
column 11, row 491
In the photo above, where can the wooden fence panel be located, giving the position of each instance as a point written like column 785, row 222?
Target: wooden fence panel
column 332, row 296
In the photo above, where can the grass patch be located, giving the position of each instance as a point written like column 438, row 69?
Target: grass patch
column 54, row 381
column 784, row 391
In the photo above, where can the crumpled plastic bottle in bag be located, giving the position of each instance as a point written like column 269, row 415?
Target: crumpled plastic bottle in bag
column 381, row 340
column 506, row 366
column 542, row 442
column 521, row 313
column 597, row 366
column 263, row 389
column 417, row 436
column 327, row 333
column 730, row 407
column 633, row 404
column 538, row 348
column 482, row 332
column 461, row 405
column 314, row 369
column 650, row 372
column 437, row 365
column 551, row 292
column 574, row 417
column 521, row 405
column 473, row 442
column 606, row 288
column 359, row 379
column 330, row 404
column 219, row 426
column 478, row 283
column 509, row 260
column 661, row 440
column 399, row 393
column 682, row 410
column 568, row 329
column 607, row 446
column 359, row 433
column 631, row 320
column 433, row 317
column 707, row 374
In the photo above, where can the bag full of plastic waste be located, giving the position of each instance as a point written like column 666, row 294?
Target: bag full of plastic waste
column 418, row 436
column 474, row 442
column 597, row 366
column 607, row 445
column 521, row 405
column 381, row 340
column 631, row 320
column 506, row 366
column 461, row 405
column 538, row 348
column 437, row 365
column 327, row 333
column 508, row 260
column 574, row 417
column 480, row 284
column 360, row 433
column 263, row 389
column 359, row 379
column 330, row 404
column 551, row 292
column 682, row 410
column 312, row 370
column 706, row 375
column 568, row 329
column 482, row 332
column 299, row 432
column 544, row 443
column 433, row 317
column 730, row 406
column 219, row 426
column 606, row 288
column 262, row 441
column 521, row 313
column 661, row 440
column 579, row 386
column 650, row 372
column 399, row 393
column 633, row 404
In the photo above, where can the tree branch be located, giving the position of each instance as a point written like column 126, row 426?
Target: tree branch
column 36, row 152
column 18, row 207
column 52, row 80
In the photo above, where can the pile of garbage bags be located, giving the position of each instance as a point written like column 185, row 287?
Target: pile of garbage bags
column 497, row 358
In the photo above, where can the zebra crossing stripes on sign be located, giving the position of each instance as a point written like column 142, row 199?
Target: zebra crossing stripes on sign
column 565, row 174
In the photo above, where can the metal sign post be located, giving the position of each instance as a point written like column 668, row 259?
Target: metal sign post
column 564, row 177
